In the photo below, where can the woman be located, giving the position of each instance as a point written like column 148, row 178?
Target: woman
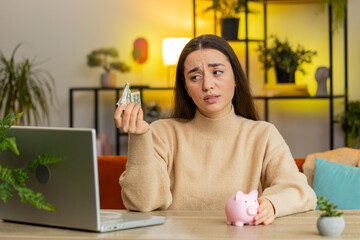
column 213, row 145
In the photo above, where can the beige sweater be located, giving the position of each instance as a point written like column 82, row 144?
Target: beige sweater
column 199, row 164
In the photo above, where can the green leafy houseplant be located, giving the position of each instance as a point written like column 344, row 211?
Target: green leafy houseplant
column 328, row 208
column 25, row 88
column 227, row 8
column 102, row 58
column 229, row 14
column 283, row 57
column 350, row 124
column 107, row 59
column 14, row 179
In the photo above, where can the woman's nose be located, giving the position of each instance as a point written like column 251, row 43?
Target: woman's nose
column 208, row 83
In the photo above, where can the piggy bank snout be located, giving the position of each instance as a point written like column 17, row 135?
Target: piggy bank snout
column 252, row 210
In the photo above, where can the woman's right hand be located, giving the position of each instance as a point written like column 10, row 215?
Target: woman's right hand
column 132, row 119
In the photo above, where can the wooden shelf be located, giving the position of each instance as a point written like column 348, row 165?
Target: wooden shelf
column 248, row 41
column 299, row 97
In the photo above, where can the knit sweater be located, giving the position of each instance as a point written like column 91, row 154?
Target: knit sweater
column 198, row 164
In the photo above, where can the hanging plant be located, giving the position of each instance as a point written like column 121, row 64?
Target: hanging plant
column 339, row 10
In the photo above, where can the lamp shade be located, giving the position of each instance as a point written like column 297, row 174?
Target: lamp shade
column 171, row 49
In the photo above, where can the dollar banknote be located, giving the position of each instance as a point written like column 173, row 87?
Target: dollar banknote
column 135, row 97
column 127, row 96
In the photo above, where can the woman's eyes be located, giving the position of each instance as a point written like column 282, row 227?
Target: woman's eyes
column 195, row 77
column 216, row 72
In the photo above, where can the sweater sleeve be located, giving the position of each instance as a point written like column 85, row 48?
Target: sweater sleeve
column 283, row 184
column 146, row 183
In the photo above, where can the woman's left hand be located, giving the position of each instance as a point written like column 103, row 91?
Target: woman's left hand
column 266, row 212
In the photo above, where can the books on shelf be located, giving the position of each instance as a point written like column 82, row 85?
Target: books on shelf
column 284, row 89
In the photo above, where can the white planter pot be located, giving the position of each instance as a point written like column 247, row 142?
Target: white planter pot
column 108, row 80
column 331, row 226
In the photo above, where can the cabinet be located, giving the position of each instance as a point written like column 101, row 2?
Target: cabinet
column 246, row 40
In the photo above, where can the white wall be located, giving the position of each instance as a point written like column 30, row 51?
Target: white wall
column 60, row 33
column 354, row 49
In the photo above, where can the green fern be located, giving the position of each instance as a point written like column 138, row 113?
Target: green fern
column 34, row 198
column 9, row 143
column 5, row 125
column 11, row 179
column 6, row 192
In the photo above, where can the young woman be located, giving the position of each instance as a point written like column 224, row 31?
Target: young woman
column 213, row 146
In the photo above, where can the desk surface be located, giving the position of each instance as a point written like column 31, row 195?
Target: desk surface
column 194, row 225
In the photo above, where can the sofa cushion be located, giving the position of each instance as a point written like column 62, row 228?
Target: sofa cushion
column 338, row 182
column 346, row 156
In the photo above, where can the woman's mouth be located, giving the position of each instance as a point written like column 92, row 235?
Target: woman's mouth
column 211, row 98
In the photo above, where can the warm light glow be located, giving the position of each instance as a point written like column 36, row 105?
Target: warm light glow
column 171, row 49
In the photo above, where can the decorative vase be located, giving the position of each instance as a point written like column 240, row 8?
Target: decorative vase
column 331, row 226
column 108, row 80
column 230, row 28
column 284, row 77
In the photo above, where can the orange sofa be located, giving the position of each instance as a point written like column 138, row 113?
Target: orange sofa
column 110, row 169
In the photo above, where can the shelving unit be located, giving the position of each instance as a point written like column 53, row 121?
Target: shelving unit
column 246, row 40
column 95, row 91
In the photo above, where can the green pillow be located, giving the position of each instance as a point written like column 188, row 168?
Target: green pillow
column 338, row 182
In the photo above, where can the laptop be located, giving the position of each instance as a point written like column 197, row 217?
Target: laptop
column 70, row 185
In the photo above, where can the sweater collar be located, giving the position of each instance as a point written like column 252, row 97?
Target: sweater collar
column 203, row 123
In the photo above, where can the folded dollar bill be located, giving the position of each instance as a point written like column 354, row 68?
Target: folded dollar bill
column 127, row 96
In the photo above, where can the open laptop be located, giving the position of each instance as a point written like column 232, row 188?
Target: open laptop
column 70, row 185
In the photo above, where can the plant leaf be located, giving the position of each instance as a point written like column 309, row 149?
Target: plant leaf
column 43, row 159
column 35, row 199
column 9, row 143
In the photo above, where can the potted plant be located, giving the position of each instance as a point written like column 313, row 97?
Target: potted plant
column 350, row 124
column 229, row 11
column 14, row 179
column 102, row 58
column 284, row 59
column 25, row 88
column 330, row 222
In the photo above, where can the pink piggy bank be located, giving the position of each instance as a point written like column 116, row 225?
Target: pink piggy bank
column 241, row 208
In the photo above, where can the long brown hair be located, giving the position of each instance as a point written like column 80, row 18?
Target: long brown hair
column 185, row 107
